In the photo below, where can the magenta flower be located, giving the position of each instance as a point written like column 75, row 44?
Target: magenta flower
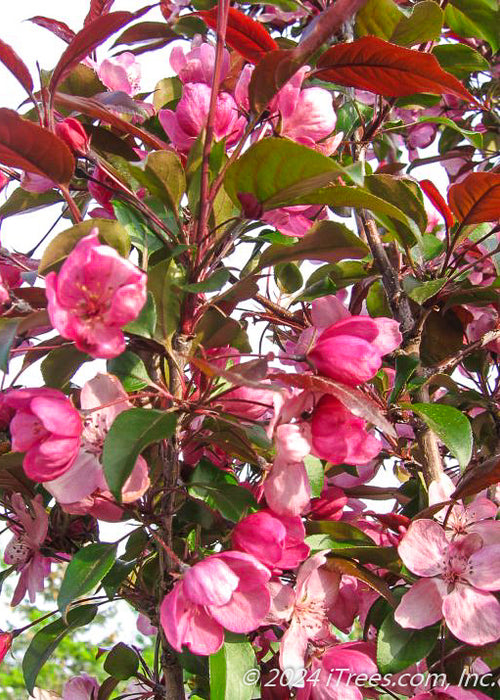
column 82, row 687
column 224, row 591
column 122, row 73
column 5, row 644
column 197, row 65
column 94, row 295
column 305, row 608
column 83, row 488
column 350, row 351
column 452, row 692
column 340, row 437
column 280, row 544
column 456, row 581
column 30, row 528
column 190, row 117
column 72, row 132
column 47, row 428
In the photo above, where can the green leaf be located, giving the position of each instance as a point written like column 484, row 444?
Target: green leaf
column 164, row 280
column 140, row 234
column 424, row 24
column 405, row 368
column 460, row 60
column 399, row 648
column 8, row 333
column 288, row 277
column 110, row 233
column 130, row 370
column 450, row 425
column 376, row 300
column 339, row 531
column 145, row 324
column 228, row 668
column 473, row 137
column 61, row 364
column 131, row 432
column 167, row 90
column 121, row 662
column 47, row 640
column 211, row 284
column 326, row 240
column 315, row 474
column 168, row 172
column 21, row 201
column 378, row 18
column 474, row 18
column 221, row 491
column 400, row 192
column 425, row 290
column 116, row 575
column 87, row 568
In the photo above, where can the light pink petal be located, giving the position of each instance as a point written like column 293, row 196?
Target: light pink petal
column 422, row 605
column 328, row 310
column 101, row 390
column 282, row 602
column 244, row 612
column 389, row 336
column 473, row 616
column 293, row 647
column 423, row 548
column 488, row 530
column 58, row 417
column 81, row 479
column 251, row 573
column 138, row 482
column 287, row 489
column 210, row 581
column 484, row 568
column 480, row 509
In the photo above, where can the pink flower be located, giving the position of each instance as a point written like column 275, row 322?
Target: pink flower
column 197, row 65
column 102, row 189
column 185, row 124
column 5, row 644
column 340, row 437
column 452, row 692
column 94, row 295
column 339, row 667
column 145, row 627
column 456, row 584
column 280, row 541
column 4, row 180
column 47, row 428
column 329, row 506
column 23, row 551
column 306, row 116
column 121, row 73
column 295, row 220
column 82, row 687
column 83, row 488
column 478, row 516
column 350, row 351
column 72, row 132
column 305, row 609
column 224, row 591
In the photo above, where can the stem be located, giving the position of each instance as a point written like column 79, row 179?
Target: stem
column 432, row 464
column 75, row 212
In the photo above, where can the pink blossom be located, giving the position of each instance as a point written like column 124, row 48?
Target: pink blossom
column 456, row 581
column 295, row 220
column 340, row 437
column 280, row 542
column 145, row 627
column 305, row 608
column 102, row 187
column 94, row 295
column 478, row 516
column 339, row 667
column 350, row 351
column 451, row 692
column 190, row 117
column 5, row 644
column 83, row 488
column 10, row 278
column 224, row 591
column 329, row 506
column 81, row 687
column 72, row 132
column 197, row 65
column 30, row 526
column 122, row 73
column 47, row 428
column 4, row 180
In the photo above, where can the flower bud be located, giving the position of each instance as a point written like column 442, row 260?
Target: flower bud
column 73, row 134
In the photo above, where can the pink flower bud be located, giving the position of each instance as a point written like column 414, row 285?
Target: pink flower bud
column 122, row 73
column 95, row 293
column 72, row 132
column 5, row 643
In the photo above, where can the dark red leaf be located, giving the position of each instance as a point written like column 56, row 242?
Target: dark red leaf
column 146, row 31
column 89, row 38
column 438, row 201
column 167, row 9
column 476, row 199
column 53, row 25
column 358, row 403
column 30, row 147
column 378, row 66
column 98, row 8
column 478, row 477
column 250, row 38
column 16, row 65
column 93, row 108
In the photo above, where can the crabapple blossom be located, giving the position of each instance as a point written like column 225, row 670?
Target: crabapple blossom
column 45, row 426
column 122, row 73
column 5, row 644
column 30, row 526
column 456, row 581
column 72, row 132
column 81, row 687
column 223, row 591
column 197, row 65
column 95, row 293
column 83, row 488
column 451, row 692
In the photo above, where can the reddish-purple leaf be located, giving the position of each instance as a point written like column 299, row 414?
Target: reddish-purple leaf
column 53, row 25
column 98, row 8
column 438, row 201
column 30, row 147
column 358, row 403
column 89, row 38
column 378, row 66
column 16, row 65
column 250, row 38
column 146, row 31
column 476, row 199
column 478, row 477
